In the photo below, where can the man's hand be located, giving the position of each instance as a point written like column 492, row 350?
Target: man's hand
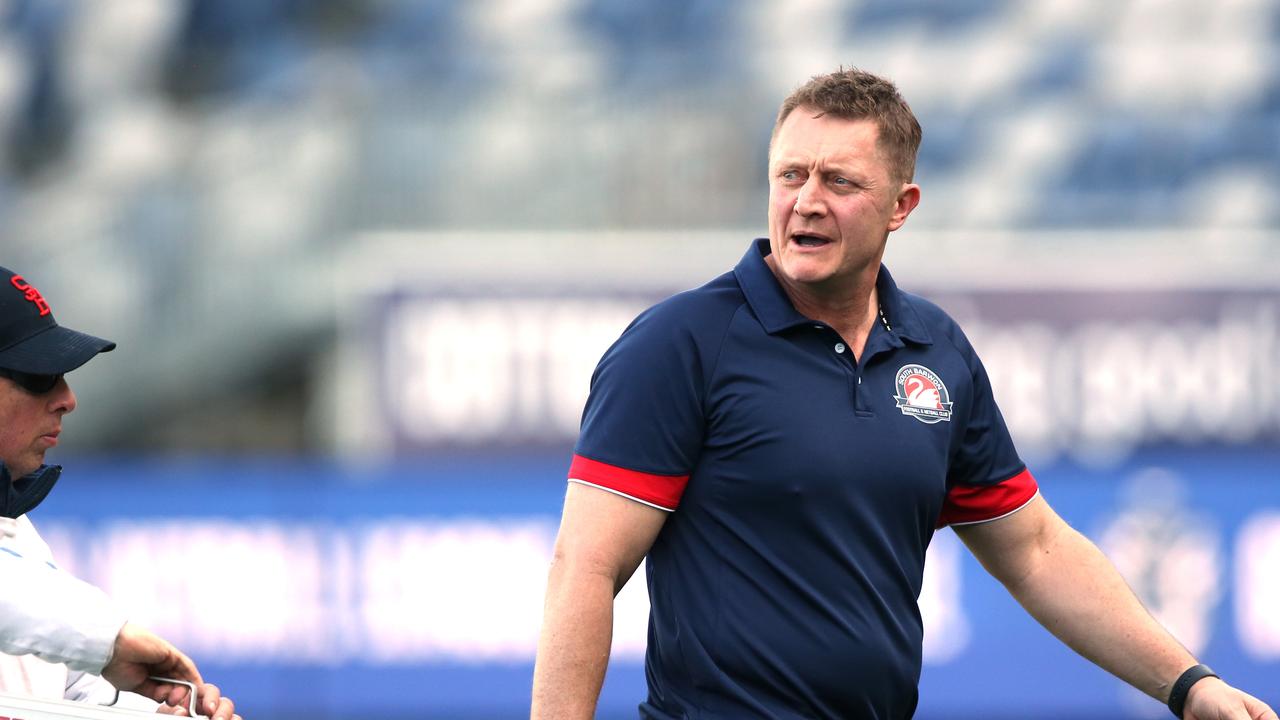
column 210, row 702
column 139, row 654
column 1212, row 699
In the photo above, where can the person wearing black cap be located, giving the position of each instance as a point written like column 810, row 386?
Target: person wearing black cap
column 61, row 638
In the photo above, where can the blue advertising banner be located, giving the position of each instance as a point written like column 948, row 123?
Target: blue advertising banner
column 414, row 588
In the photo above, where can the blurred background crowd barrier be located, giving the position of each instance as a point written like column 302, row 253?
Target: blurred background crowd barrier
column 362, row 255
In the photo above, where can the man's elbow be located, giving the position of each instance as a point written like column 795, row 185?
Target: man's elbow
column 579, row 567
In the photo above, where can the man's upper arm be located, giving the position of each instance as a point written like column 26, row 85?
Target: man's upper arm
column 985, row 477
column 605, row 533
column 643, row 428
column 1010, row 547
column 51, row 614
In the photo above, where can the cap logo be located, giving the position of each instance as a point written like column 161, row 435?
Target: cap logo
column 32, row 294
column 922, row 394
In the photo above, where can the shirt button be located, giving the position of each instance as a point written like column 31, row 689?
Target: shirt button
column 839, row 347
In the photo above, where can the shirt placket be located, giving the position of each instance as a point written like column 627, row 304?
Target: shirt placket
column 880, row 344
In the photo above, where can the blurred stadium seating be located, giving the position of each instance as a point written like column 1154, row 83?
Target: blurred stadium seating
column 199, row 165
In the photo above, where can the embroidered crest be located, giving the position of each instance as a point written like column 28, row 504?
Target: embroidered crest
column 922, row 394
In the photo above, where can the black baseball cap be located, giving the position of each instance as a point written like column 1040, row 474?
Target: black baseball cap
column 30, row 340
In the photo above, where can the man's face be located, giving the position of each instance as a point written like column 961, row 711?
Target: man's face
column 833, row 199
column 30, row 424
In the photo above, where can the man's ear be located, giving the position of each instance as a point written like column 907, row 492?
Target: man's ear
column 908, row 199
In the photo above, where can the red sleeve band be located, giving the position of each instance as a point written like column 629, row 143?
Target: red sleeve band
column 663, row 491
column 978, row 503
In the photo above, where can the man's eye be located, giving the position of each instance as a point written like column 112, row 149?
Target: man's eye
column 841, row 181
column 790, row 175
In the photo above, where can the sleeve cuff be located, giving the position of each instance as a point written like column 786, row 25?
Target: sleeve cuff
column 660, row 491
column 969, row 504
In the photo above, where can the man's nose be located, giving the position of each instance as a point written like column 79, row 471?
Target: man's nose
column 63, row 399
column 809, row 199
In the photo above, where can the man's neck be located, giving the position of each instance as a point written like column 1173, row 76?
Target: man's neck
column 851, row 309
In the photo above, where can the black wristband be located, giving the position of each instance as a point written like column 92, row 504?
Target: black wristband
column 1178, row 695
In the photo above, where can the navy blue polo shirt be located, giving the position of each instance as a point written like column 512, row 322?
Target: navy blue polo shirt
column 803, row 486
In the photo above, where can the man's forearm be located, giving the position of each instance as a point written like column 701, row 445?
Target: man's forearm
column 1078, row 595
column 573, row 650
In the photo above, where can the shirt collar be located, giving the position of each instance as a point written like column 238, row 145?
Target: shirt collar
column 773, row 308
column 764, row 294
column 899, row 312
column 19, row 495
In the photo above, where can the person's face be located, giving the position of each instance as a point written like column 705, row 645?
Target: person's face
column 30, row 424
column 833, row 200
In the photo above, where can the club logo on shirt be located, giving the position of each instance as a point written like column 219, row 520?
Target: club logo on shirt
column 922, row 395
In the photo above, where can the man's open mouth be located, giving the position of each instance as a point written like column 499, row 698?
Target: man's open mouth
column 809, row 240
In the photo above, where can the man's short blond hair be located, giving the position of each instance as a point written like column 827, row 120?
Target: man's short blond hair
column 853, row 94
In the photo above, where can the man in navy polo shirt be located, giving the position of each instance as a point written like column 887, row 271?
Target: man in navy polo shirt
column 781, row 444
